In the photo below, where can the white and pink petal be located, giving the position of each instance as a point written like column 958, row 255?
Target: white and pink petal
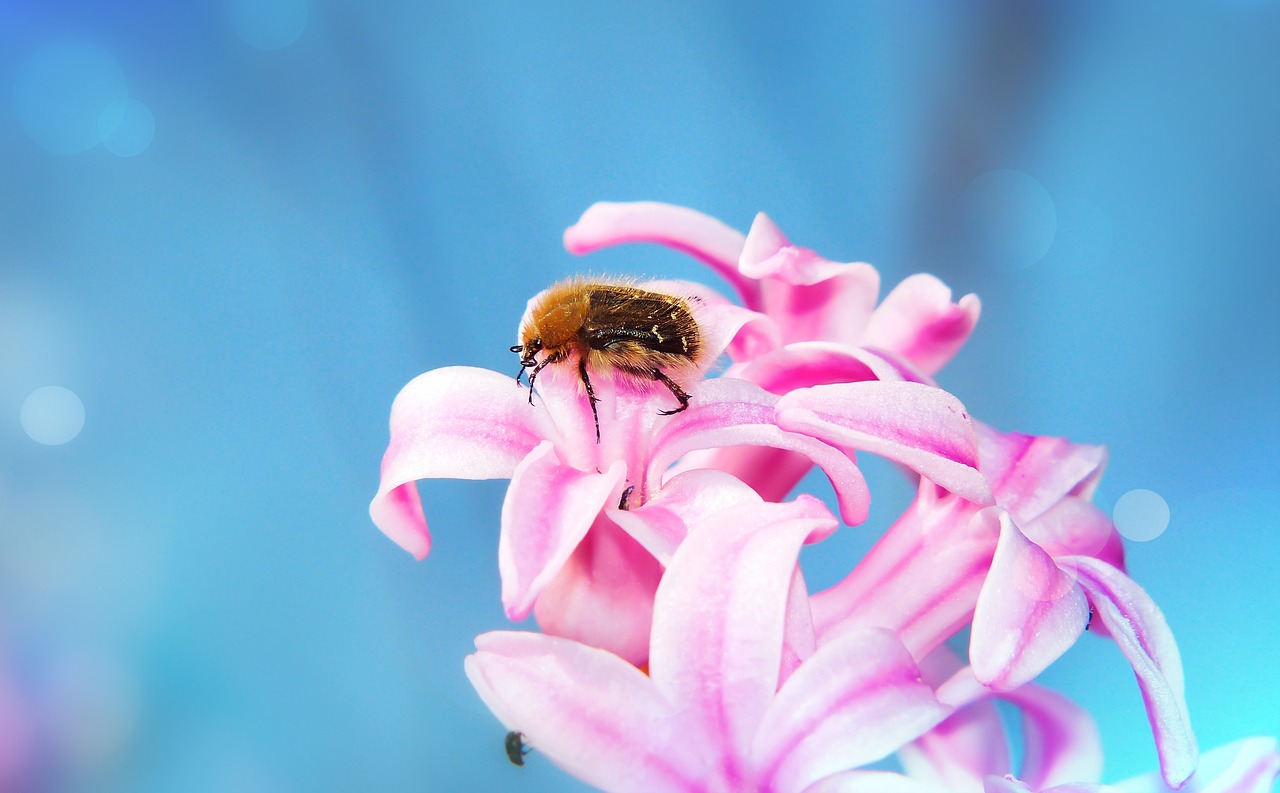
column 855, row 701
column 591, row 713
column 458, row 422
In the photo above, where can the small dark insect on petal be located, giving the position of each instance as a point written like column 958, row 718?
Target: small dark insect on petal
column 1090, row 622
column 516, row 750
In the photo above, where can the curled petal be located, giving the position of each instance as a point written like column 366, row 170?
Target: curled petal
column 918, row 321
column 1248, row 766
column 727, row 412
column 457, row 422
column 1142, row 634
column 1028, row 612
column 719, row 620
column 853, row 702
column 1029, row 474
column 546, row 513
column 684, row 501
column 603, row 595
column 811, row 298
column 922, row 427
column 605, row 224
column 593, row 714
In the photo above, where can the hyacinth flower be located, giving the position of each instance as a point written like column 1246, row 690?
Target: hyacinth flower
column 560, row 535
column 826, row 313
column 1024, row 571
column 737, row 698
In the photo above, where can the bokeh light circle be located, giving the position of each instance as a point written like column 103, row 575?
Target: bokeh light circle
column 127, row 127
column 1141, row 515
column 60, row 91
column 1009, row 219
column 269, row 24
column 52, row 415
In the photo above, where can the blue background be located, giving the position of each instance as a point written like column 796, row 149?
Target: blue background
column 192, row 596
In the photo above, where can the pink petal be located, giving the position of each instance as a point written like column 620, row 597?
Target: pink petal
column 1008, row 784
column 768, row 254
column 853, row 702
column 806, row 364
column 456, row 423
column 546, row 513
column 728, row 412
column 719, row 621
column 705, row 238
column 1071, row 527
column 1027, row 615
column 970, row 743
column 835, row 309
column 873, row 782
column 811, row 298
column 603, row 595
column 1060, row 739
column 773, row 473
column 588, row 711
column 921, row 579
column 1144, row 637
column 685, row 501
column 1029, row 474
column 960, row 751
column 922, row 427
column 918, row 321
column 1248, row 766
column 798, row 640
column 1004, row 784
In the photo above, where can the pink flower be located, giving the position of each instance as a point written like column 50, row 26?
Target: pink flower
column 566, row 485
column 736, row 698
column 1024, row 571
column 825, row 313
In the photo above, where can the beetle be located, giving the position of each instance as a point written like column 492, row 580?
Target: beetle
column 516, row 750
column 613, row 328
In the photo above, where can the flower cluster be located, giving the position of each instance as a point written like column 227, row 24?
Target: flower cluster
column 681, row 649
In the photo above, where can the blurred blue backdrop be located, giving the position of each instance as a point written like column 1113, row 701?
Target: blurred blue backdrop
column 235, row 230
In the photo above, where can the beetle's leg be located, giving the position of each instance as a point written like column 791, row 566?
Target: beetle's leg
column 591, row 394
column 534, row 374
column 675, row 390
